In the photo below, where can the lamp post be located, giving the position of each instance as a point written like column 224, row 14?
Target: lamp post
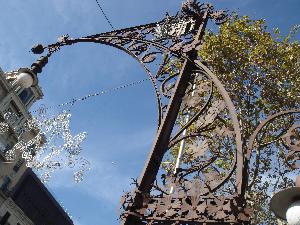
column 203, row 192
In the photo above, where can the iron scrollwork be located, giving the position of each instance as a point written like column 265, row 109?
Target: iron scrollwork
column 210, row 187
column 282, row 132
column 195, row 191
column 204, row 189
column 166, row 41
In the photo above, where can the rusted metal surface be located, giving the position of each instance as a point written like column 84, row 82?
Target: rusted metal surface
column 210, row 188
column 189, row 209
column 177, row 39
column 148, row 46
column 297, row 183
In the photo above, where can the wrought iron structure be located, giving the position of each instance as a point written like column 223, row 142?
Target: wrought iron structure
column 195, row 111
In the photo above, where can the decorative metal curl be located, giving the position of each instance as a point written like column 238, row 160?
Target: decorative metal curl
column 170, row 40
column 143, row 44
column 287, row 138
column 180, row 197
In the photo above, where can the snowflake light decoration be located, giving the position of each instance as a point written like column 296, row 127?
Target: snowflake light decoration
column 10, row 117
column 46, row 144
column 4, row 127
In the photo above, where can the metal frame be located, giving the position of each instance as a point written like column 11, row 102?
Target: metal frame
column 203, row 192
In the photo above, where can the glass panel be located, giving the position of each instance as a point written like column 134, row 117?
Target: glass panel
column 26, row 95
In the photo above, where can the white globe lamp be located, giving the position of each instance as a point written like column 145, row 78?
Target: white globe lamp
column 26, row 78
column 286, row 204
column 293, row 213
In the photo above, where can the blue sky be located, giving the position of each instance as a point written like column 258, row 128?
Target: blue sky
column 120, row 125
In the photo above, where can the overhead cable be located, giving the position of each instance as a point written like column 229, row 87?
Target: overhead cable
column 104, row 14
column 74, row 100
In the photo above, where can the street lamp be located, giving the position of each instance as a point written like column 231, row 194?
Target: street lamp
column 26, row 78
column 286, row 204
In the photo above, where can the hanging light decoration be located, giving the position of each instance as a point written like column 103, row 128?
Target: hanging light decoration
column 4, row 127
column 10, row 117
column 46, row 144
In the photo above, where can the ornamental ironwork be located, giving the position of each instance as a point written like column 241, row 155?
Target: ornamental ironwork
column 196, row 119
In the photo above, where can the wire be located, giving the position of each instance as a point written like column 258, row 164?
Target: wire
column 105, row 15
column 74, row 100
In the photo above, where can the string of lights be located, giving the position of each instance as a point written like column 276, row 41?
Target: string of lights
column 104, row 14
column 75, row 100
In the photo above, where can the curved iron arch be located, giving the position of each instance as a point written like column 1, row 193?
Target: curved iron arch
column 142, row 44
column 109, row 41
column 159, row 49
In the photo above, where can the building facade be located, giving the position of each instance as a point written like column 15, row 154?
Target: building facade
column 14, row 104
column 20, row 189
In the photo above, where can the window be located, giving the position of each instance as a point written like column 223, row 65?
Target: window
column 18, row 165
column 4, row 186
column 4, row 219
column 3, row 91
column 26, row 95
column 2, row 147
column 8, row 147
column 12, row 114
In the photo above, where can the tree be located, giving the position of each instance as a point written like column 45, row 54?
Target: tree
column 261, row 72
